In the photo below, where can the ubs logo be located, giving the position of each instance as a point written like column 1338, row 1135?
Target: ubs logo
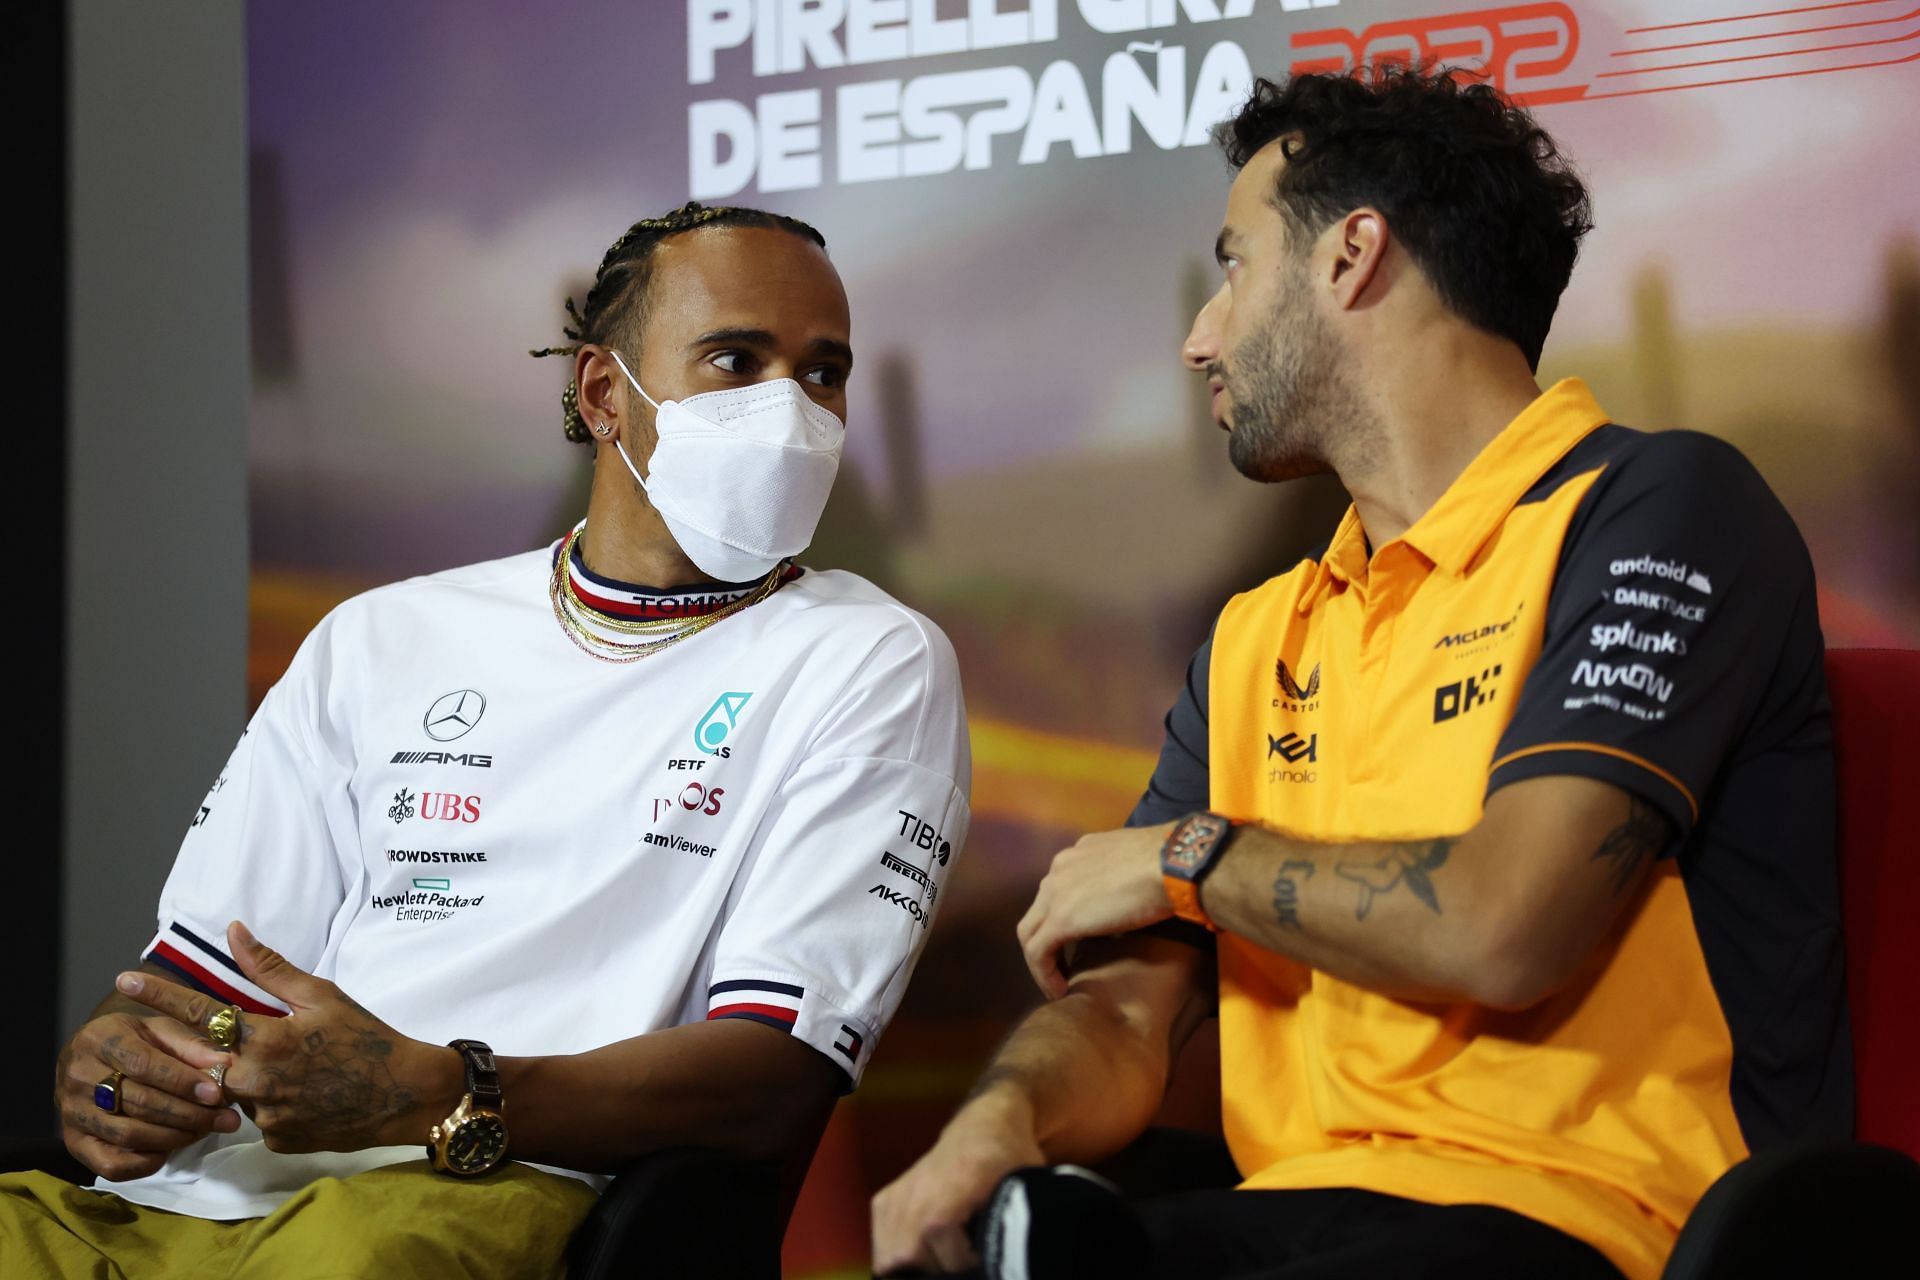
column 453, row 715
column 435, row 806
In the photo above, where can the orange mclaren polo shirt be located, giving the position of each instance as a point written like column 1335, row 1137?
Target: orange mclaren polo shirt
column 1585, row 599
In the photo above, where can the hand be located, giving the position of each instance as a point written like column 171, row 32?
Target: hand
column 920, row 1219
column 329, row 1076
column 1107, row 884
column 166, row 1100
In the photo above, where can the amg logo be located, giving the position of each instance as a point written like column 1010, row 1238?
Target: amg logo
column 909, row 905
column 442, row 757
column 1639, row 677
column 1293, row 748
column 903, row 868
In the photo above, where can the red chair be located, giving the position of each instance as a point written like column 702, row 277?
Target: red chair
column 1876, row 742
column 1847, row 1208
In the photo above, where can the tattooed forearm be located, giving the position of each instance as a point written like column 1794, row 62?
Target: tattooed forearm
column 1286, row 891
column 1412, row 864
column 1631, row 843
column 341, row 1084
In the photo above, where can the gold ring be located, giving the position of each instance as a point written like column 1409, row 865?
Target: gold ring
column 223, row 1026
column 219, row 1073
column 106, row 1094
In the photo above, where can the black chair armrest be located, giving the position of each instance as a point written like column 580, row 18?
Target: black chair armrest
column 683, row 1213
column 1831, row 1209
column 1164, row 1160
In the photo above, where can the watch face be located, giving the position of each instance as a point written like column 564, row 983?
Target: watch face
column 478, row 1144
column 1191, row 842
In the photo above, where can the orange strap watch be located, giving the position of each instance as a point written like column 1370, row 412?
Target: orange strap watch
column 1190, row 852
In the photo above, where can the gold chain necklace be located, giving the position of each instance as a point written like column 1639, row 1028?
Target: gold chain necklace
column 574, row 614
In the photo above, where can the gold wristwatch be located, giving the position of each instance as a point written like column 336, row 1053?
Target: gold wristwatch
column 473, row 1140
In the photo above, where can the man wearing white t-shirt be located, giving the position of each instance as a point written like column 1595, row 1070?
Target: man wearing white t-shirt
column 621, row 845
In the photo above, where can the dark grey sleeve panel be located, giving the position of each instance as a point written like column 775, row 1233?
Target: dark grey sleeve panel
column 1179, row 783
column 1681, row 623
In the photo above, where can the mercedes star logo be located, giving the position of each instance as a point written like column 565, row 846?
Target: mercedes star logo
column 453, row 714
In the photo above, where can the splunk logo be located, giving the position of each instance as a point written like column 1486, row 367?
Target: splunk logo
column 1612, row 635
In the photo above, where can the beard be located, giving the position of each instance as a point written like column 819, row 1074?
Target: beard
column 1293, row 408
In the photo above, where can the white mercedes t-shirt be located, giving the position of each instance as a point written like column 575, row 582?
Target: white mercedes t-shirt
column 480, row 831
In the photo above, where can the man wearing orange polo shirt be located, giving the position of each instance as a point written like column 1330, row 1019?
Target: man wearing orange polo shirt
column 1504, row 828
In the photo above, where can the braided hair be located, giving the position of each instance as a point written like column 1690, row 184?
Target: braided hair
column 617, row 301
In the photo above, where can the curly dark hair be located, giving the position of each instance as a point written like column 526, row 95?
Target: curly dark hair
column 1477, row 191
column 617, row 302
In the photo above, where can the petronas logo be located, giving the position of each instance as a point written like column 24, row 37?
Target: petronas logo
column 1293, row 692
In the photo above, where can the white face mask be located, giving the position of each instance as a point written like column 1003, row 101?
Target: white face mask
column 741, row 475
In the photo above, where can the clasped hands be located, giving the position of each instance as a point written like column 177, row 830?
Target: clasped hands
column 1107, row 884
column 328, row 1076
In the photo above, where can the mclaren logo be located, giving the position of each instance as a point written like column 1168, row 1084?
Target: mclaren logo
column 453, row 715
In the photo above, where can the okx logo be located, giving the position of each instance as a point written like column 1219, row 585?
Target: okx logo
column 710, row 735
column 1462, row 696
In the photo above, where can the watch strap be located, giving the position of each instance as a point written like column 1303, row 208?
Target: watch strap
column 1185, row 897
column 483, row 1074
column 1187, row 856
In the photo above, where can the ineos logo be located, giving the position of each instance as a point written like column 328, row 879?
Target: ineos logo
column 453, row 714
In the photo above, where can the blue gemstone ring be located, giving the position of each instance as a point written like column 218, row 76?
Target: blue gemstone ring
column 106, row 1094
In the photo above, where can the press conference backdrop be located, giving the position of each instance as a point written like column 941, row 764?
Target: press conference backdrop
column 1022, row 197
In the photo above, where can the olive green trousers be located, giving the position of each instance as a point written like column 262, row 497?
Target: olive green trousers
column 400, row 1220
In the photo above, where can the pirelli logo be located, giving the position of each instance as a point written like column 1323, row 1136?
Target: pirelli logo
column 469, row 759
column 901, row 867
